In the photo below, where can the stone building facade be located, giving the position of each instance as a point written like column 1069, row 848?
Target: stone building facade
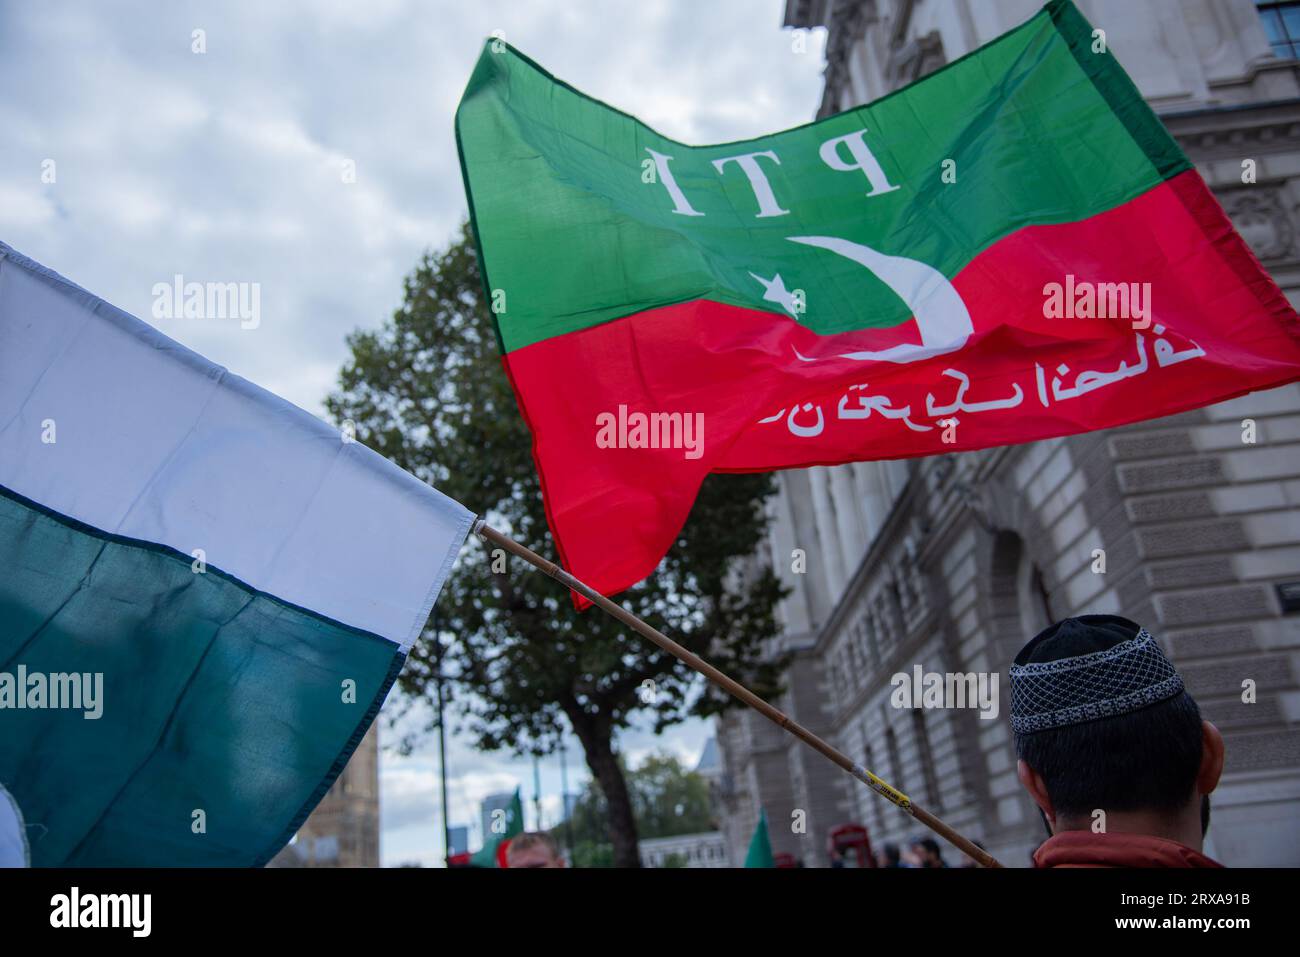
column 952, row 562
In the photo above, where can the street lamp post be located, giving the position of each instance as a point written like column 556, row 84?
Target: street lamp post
column 442, row 748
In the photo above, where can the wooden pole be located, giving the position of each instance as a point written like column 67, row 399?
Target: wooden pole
column 737, row 690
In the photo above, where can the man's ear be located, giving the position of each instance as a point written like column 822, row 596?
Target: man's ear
column 1033, row 782
column 1207, row 777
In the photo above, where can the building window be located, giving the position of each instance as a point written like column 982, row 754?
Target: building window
column 895, row 763
column 869, row 637
column 926, row 755
column 854, row 660
column 1033, row 600
column 1282, row 24
column 869, row 762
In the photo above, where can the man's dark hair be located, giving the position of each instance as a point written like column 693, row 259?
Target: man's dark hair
column 1143, row 760
column 929, row 845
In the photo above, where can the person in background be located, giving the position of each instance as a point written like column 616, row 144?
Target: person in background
column 533, row 849
column 888, row 856
column 1112, row 748
column 924, row 852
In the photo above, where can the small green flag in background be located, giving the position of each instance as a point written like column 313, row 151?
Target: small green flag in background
column 490, row 854
column 760, row 845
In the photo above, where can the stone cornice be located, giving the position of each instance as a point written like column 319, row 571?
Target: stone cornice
column 1227, row 131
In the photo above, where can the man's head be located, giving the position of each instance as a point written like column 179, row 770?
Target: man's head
column 888, row 856
column 925, row 852
column 533, row 849
column 1102, row 722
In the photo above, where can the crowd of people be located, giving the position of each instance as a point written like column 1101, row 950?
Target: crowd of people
column 919, row 852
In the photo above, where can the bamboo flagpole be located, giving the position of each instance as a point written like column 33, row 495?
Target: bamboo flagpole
column 736, row 689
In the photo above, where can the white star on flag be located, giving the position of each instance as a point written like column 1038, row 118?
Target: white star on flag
column 774, row 291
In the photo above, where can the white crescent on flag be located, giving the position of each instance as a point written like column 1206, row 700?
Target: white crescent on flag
column 940, row 314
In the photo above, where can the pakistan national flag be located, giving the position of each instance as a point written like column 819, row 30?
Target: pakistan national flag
column 205, row 592
column 1011, row 248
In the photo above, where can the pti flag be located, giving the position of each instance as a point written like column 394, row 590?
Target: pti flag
column 206, row 592
column 1012, row 248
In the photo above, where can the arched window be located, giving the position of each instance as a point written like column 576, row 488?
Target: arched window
column 1035, row 604
column 1015, row 574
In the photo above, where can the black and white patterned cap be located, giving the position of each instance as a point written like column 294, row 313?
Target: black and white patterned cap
column 1124, row 677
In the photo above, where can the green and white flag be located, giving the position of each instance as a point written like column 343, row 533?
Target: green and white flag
column 205, row 592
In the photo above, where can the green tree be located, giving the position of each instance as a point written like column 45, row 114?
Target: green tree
column 667, row 800
column 428, row 391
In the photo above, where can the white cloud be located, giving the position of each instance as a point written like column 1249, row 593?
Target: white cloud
column 28, row 208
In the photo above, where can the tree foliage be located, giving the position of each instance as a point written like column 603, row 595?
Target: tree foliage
column 667, row 801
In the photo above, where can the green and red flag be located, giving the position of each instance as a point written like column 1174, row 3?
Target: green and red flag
column 1012, row 248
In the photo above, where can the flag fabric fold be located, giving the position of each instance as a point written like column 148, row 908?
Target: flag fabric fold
column 207, row 592
column 1012, row 248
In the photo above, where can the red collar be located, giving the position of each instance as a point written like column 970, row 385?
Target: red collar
column 1086, row 849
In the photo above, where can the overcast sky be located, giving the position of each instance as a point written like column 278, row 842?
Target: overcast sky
column 229, row 166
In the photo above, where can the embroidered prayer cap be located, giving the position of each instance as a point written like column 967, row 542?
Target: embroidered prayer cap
column 1082, row 669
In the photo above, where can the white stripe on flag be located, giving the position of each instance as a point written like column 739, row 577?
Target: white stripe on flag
column 154, row 442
